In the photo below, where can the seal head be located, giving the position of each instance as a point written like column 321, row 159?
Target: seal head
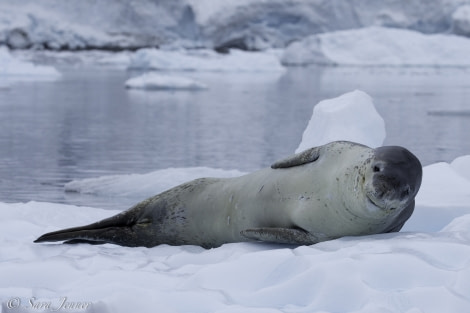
column 395, row 177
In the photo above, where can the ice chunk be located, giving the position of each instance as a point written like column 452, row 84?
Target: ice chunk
column 154, row 81
column 461, row 20
column 461, row 166
column 351, row 116
column 459, row 224
column 379, row 46
column 445, row 184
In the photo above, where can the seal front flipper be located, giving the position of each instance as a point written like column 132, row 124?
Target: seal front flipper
column 307, row 156
column 282, row 235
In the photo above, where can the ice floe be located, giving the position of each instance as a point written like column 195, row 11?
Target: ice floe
column 419, row 270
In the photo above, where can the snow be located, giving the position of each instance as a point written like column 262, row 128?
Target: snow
column 13, row 69
column 379, row 46
column 403, row 272
column 206, row 60
column 154, row 81
column 424, row 269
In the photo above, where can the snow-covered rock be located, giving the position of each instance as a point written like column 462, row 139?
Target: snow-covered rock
column 351, row 116
column 11, row 68
column 155, row 81
column 379, row 46
column 206, row 60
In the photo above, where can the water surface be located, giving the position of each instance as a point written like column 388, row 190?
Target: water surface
column 88, row 125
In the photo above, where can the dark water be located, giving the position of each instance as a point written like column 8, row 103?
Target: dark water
column 88, row 125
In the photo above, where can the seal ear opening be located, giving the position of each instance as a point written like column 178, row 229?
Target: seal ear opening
column 307, row 156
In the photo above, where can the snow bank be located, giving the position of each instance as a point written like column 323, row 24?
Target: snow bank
column 205, row 60
column 154, row 81
column 378, row 46
column 351, row 116
column 402, row 272
column 12, row 68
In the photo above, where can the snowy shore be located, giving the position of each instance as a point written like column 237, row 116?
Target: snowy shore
column 412, row 271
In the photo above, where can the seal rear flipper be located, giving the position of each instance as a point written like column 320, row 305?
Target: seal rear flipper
column 282, row 235
column 124, row 236
column 118, row 229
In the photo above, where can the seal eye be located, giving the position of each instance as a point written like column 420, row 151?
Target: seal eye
column 376, row 169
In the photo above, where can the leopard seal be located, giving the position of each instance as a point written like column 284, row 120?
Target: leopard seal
column 326, row 192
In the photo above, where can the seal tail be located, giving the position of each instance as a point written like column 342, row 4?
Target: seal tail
column 116, row 229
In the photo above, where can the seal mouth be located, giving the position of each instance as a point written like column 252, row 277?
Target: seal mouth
column 381, row 205
column 373, row 202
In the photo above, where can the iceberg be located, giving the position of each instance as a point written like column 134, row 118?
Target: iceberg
column 12, row 68
column 154, row 81
column 205, row 60
column 379, row 46
column 461, row 20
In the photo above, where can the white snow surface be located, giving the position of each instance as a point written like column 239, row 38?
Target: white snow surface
column 379, row 46
column 155, row 81
column 14, row 69
column 206, row 60
column 420, row 270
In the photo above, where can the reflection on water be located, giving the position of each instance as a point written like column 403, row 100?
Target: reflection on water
column 88, row 124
